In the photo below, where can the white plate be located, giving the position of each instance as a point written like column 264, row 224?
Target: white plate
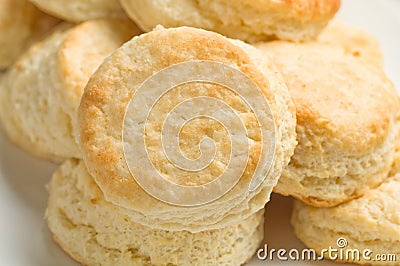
column 24, row 237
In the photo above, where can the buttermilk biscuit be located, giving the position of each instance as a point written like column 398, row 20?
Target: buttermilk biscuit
column 21, row 23
column 81, row 10
column 370, row 222
column 346, row 123
column 106, row 99
column 95, row 232
column 355, row 41
column 40, row 94
column 248, row 20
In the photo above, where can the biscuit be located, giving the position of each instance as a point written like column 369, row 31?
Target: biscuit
column 251, row 21
column 396, row 163
column 40, row 94
column 355, row 41
column 347, row 121
column 21, row 23
column 81, row 10
column 370, row 222
column 95, row 232
column 107, row 97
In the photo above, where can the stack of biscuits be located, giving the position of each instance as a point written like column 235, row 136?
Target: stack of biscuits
column 72, row 68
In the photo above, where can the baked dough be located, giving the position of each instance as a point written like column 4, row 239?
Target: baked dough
column 40, row 94
column 95, row 232
column 21, row 24
column 249, row 20
column 81, row 10
column 355, row 41
column 347, row 122
column 370, row 222
column 107, row 97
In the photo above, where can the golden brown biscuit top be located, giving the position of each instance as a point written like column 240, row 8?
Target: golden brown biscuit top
column 355, row 41
column 108, row 92
column 86, row 44
column 312, row 9
column 337, row 96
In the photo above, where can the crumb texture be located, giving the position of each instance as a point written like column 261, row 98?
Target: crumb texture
column 370, row 222
column 95, row 232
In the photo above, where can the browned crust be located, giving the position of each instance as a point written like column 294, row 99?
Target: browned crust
column 303, row 10
column 104, row 102
column 375, row 102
